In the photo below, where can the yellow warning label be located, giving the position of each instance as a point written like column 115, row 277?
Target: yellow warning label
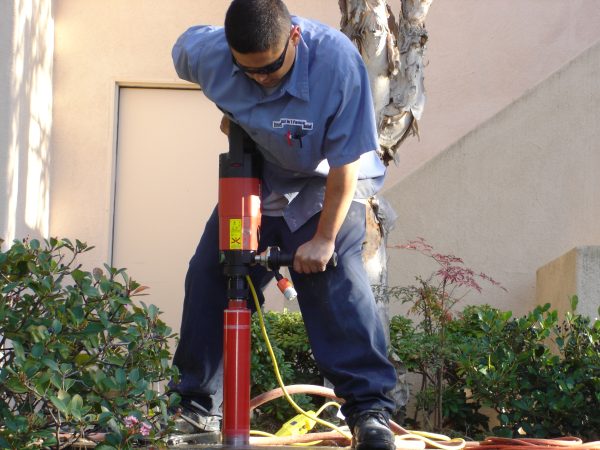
column 235, row 234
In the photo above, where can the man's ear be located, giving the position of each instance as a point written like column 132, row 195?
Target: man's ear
column 225, row 125
column 296, row 35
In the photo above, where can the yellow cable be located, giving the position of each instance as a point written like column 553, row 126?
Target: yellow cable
column 427, row 434
column 265, row 434
column 261, row 433
column 276, row 368
column 326, row 405
column 418, row 435
column 306, row 444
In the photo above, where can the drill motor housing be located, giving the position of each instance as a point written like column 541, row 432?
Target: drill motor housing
column 239, row 207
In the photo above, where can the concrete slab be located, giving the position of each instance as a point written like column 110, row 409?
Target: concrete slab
column 577, row 272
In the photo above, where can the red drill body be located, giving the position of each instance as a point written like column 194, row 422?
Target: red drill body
column 239, row 219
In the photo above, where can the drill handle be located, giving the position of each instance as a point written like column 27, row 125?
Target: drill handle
column 273, row 259
column 288, row 260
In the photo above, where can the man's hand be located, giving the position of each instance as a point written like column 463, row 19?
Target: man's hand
column 225, row 125
column 313, row 256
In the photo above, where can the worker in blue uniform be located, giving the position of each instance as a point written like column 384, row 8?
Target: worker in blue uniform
column 301, row 91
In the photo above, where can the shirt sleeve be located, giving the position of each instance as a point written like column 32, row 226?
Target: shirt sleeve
column 352, row 130
column 188, row 52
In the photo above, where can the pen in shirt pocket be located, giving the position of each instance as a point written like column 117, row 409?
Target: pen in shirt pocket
column 290, row 137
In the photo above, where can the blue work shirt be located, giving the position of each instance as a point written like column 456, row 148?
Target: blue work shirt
column 320, row 116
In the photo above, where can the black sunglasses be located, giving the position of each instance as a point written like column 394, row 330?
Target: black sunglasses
column 269, row 68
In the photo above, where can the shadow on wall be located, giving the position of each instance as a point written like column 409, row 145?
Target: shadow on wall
column 6, row 45
column 26, row 117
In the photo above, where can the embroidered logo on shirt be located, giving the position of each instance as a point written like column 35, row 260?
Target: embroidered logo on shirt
column 293, row 122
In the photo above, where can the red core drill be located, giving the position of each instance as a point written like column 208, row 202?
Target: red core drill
column 239, row 220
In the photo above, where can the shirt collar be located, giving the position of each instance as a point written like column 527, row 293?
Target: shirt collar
column 297, row 82
column 234, row 68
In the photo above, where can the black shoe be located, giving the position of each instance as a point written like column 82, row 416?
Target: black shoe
column 371, row 431
column 192, row 418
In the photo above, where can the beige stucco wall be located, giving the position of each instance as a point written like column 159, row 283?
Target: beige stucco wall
column 26, row 56
column 6, row 57
column 514, row 194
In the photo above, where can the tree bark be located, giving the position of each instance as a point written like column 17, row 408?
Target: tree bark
column 393, row 53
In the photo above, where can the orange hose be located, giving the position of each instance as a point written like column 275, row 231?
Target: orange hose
column 560, row 443
column 309, row 389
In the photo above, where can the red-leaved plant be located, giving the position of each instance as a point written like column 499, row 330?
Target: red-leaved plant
column 423, row 346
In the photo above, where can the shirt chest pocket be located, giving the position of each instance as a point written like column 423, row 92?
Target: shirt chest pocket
column 295, row 147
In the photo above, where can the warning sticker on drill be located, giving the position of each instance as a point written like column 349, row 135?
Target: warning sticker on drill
column 235, row 234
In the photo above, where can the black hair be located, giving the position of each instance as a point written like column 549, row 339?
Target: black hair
column 253, row 26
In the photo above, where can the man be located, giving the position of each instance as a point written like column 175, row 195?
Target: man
column 301, row 92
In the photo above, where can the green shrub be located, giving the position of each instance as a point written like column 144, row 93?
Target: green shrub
column 541, row 376
column 422, row 353
column 296, row 365
column 77, row 355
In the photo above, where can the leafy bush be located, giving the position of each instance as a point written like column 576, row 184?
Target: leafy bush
column 542, row 376
column 296, row 365
column 76, row 354
column 421, row 355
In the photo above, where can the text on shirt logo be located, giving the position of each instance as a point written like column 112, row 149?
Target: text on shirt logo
column 293, row 122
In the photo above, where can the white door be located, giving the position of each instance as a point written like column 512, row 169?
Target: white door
column 166, row 187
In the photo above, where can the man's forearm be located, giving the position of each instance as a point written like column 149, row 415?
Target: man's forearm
column 339, row 192
column 313, row 255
